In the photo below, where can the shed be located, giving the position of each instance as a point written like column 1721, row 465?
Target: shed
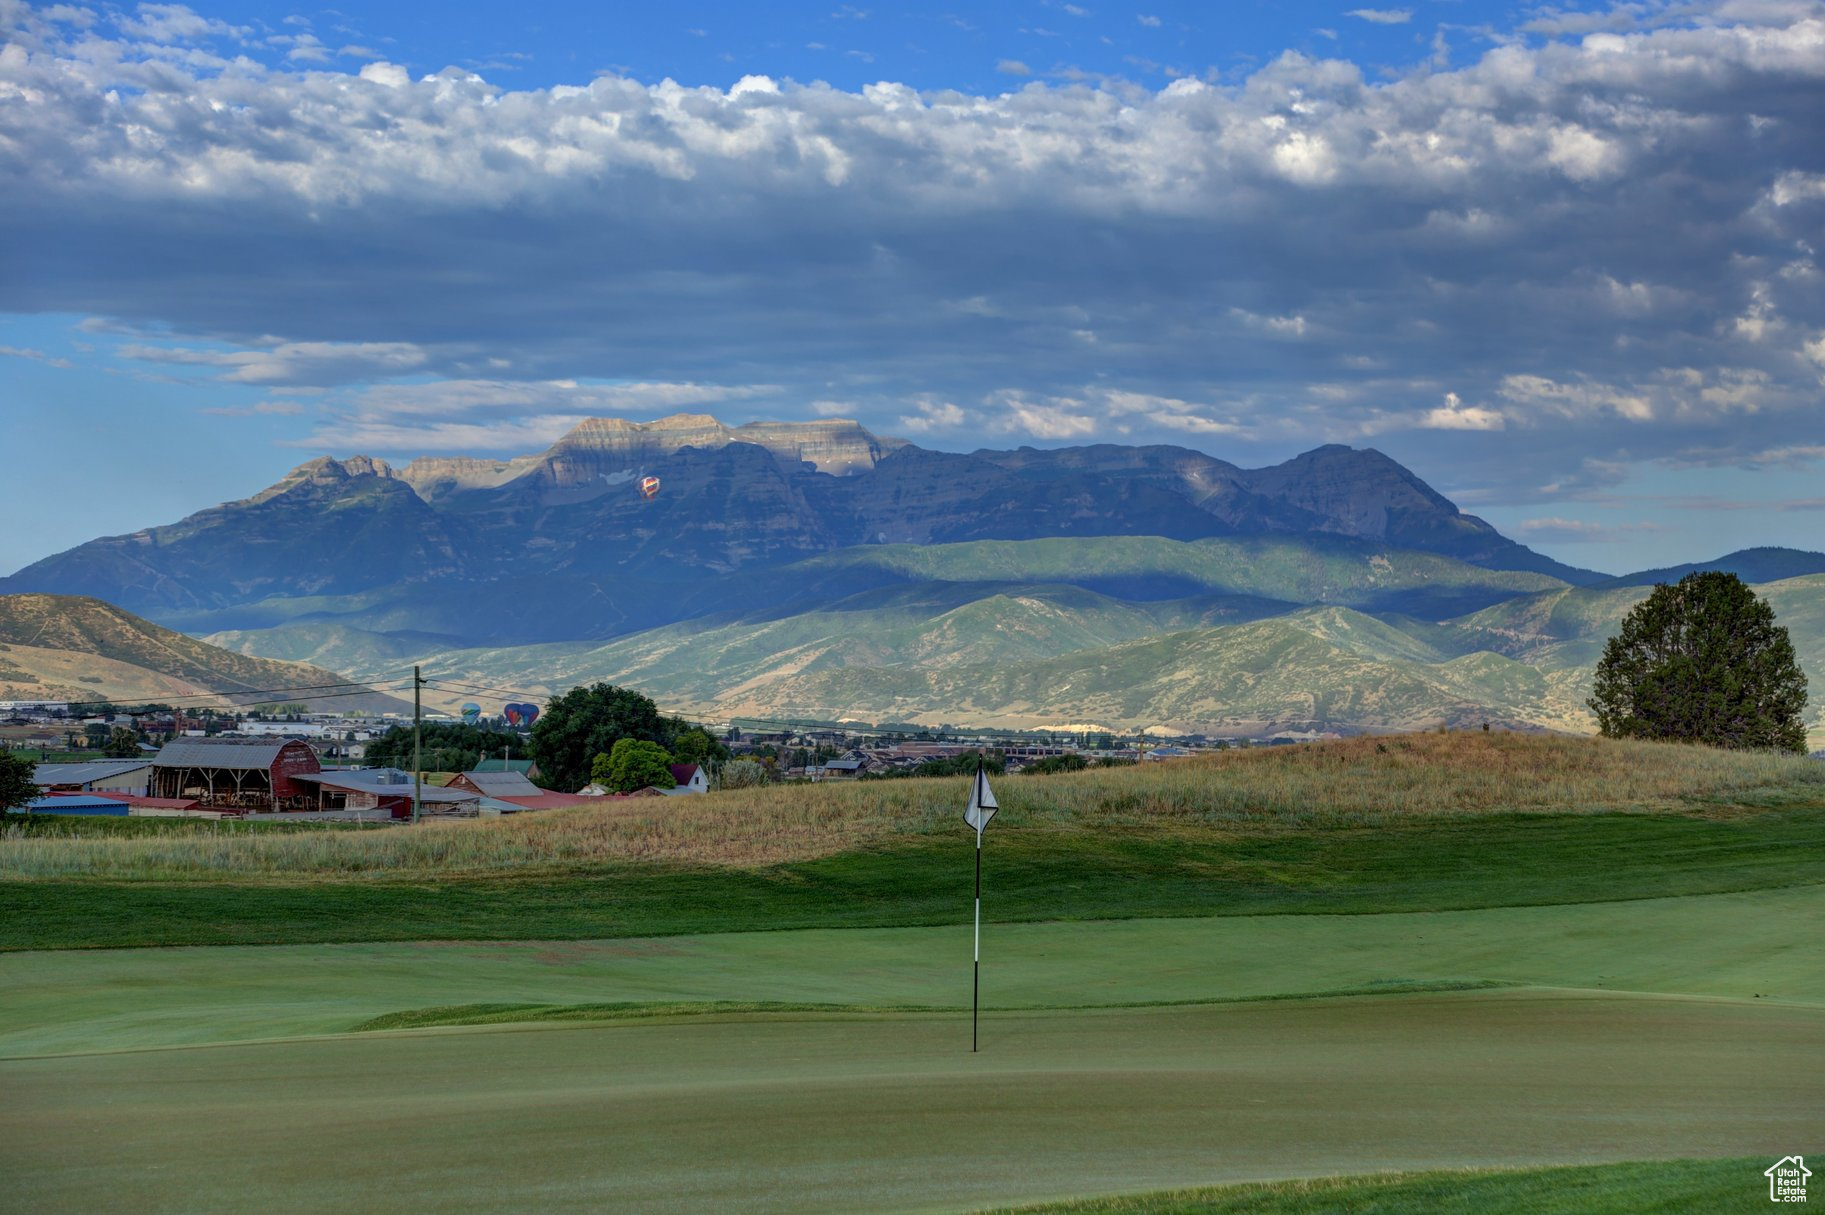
column 495, row 784
column 78, row 803
column 386, row 789
column 95, row 776
column 255, row 774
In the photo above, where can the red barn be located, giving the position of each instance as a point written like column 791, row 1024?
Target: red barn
column 237, row 773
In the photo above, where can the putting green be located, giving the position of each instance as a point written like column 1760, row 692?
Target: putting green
column 1764, row 944
column 891, row 1113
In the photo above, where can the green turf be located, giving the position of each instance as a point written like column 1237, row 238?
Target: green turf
column 631, row 1010
column 1030, row 874
column 621, row 1010
column 819, row 1113
column 108, row 826
column 1660, row 1187
column 1752, row 946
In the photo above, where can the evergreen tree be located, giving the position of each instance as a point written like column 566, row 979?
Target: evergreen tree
column 1702, row 661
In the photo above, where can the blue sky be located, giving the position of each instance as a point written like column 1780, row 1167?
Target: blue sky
column 1560, row 261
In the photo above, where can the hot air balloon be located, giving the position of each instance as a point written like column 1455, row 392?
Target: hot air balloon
column 472, row 713
column 649, row 488
column 511, row 711
column 530, row 713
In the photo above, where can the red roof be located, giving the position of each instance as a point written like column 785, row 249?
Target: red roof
column 682, row 773
column 156, row 803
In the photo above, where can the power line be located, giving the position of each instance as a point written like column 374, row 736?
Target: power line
column 451, row 686
column 202, row 700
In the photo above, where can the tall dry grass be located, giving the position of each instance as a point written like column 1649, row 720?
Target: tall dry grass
column 1355, row 783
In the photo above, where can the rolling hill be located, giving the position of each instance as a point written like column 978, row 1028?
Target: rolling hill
column 1033, row 655
column 55, row 647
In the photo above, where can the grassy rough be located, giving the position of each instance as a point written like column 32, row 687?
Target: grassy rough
column 1355, row 783
column 1671, row 1187
column 1060, row 873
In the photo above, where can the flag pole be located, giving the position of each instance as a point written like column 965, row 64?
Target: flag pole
column 977, row 813
column 976, row 984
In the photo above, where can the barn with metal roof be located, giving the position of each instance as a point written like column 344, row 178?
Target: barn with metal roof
column 95, row 776
column 252, row 774
column 496, row 784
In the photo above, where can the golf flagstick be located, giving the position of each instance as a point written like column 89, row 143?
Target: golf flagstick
column 977, row 813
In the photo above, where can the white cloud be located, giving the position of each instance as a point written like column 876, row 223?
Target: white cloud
column 36, row 356
column 1557, row 231
column 308, row 363
column 1455, row 415
column 172, row 23
column 1052, row 419
column 1382, row 16
column 259, row 409
column 1582, row 531
column 1013, row 67
column 447, row 398
column 1151, row 22
column 1541, row 395
column 517, row 435
column 933, row 417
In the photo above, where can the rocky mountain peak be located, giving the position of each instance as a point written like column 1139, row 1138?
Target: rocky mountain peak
column 608, row 446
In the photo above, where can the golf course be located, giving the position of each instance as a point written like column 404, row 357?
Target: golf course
column 1468, row 972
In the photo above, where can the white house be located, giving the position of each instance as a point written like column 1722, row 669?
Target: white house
column 691, row 778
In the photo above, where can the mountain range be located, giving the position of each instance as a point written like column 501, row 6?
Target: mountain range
column 816, row 570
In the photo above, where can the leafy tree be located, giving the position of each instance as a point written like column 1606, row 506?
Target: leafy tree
column 123, row 743
column 17, row 788
column 1068, row 762
column 587, row 722
column 95, row 734
column 697, row 745
column 448, row 746
column 1702, row 661
column 635, row 764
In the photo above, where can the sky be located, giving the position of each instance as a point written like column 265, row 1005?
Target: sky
column 1560, row 261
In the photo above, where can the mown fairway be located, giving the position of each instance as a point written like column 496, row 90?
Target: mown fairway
column 892, row 1113
column 1490, row 998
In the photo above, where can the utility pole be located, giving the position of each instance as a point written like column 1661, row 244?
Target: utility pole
column 418, row 765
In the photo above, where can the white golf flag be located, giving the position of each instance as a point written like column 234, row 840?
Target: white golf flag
column 981, row 807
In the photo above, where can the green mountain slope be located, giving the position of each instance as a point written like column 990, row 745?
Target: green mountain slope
column 1303, row 571
column 1028, row 654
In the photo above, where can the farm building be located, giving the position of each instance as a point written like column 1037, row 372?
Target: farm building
column 95, row 776
column 387, row 789
column 254, row 774
column 514, row 789
column 496, row 784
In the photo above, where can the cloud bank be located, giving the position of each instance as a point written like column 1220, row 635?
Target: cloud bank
column 1596, row 241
